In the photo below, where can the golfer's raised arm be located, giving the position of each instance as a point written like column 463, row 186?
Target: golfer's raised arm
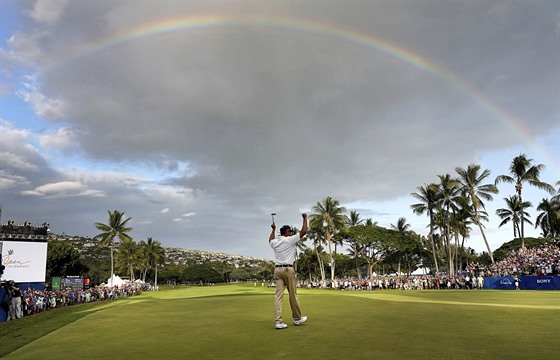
column 303, row 230
column 271, row 237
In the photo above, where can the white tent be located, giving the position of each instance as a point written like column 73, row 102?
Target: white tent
column 117, row 281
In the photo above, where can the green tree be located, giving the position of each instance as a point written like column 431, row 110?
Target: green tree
column 377, row 243
column 548, row 218
column 428, row 196
column 355, row 247
column 239, row 274
column 471, row 180
column 128, row 256
column 523, row 171
column 115, row 228
column 459, row 222
column 401, row 227
column 515, row 209
column 172, row 274
column 317, row 240
column 152, row 254
column 406, row 250
column 202, row 273
column 449, row 195
column 307, row 263
column 64, row 260
column 330, row 216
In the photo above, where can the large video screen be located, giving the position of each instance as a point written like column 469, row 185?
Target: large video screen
column 25, row 261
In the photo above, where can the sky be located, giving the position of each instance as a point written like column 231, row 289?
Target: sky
column 199, row 119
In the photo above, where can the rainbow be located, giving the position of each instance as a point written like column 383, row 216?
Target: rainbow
column 198, row 23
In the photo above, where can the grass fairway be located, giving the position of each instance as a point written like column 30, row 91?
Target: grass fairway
column 237, row 322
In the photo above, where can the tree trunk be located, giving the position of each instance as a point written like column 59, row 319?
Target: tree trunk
column 155, row 280
column 486, row 241
column 449, row 252
column 112, row 266
column 321, row 266
column 477, row 220
column 331, row 259
column 370, row 265
column 521, row 218
column 433, row 241
column 358, row 270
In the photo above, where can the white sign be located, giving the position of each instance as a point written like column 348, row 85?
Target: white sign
column 25, row 261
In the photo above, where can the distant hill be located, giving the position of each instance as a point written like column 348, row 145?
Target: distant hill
column 174, row 256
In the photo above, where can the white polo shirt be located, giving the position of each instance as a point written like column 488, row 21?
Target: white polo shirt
column 285, row 249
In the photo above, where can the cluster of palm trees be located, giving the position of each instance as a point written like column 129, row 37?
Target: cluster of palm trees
column 453, row 205
column 521, row 172
column 368, row 244
column 143, row 256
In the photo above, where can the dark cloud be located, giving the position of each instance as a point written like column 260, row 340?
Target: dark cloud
column 230, row 122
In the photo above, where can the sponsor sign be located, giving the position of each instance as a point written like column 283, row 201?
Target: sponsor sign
column 25, row 261
column 72, row 283
column 525, row 283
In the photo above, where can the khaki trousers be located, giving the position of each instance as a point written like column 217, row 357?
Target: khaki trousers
column 285, row 277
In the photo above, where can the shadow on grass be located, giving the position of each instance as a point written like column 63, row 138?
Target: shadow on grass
column 18, row 333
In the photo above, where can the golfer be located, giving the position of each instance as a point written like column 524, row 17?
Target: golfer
column 284, row 248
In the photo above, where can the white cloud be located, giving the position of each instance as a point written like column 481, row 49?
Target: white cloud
column 17, row 161
column 63, row 189
column 47, row 11
column 25, row 48
column 62, row 139
column 8, row 181
column 44, row 107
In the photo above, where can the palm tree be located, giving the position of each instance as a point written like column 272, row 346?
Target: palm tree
column 116, row 227
column 317, row 240
column 128, row 256
column 522, row 171
column 557, row 196
column 402, row 227
column 330, row 215
column 428, row 197
column 514, row 210
column 152, row 255
column 471, row 181
column 548, row 219
column 459, row 221
column 449, row 194
column 355, row 246
column 300, row 246
column 355, row 251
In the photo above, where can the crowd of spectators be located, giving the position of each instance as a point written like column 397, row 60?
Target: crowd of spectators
column 421, row 282
column 34, row 301
column 537, row 261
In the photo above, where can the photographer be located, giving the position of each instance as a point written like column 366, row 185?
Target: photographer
column 15, row 302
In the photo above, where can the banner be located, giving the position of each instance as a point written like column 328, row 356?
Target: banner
column 525, row 283
column 25, row 261
column 55, row 283
column 540, row 282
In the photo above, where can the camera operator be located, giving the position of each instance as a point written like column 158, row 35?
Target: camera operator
column 15, row 311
